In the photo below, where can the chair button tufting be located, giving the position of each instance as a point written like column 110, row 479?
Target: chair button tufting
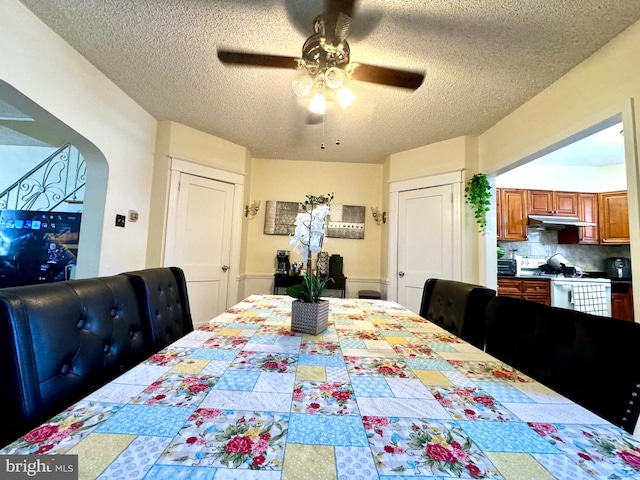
column 81, row 324
column 66, row 369
column 107, row 348
column 113, row 312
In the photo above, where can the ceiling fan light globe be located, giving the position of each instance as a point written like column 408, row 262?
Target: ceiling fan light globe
column 302, row 85
column 334, row 77
column 345, row 96
column 317, row 104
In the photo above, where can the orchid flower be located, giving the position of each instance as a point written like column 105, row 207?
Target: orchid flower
column 306, row 240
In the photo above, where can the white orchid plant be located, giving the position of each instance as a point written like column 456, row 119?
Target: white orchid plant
column 307, row 240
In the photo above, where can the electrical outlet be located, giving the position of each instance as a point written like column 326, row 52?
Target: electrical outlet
column 133, row 216
column 120, row 220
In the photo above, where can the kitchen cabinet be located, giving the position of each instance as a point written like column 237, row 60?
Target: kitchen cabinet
column 622, row 300
column 587, row 212
column 512, row 214
column 547, row 202
column 534, row 290
column 613, row 218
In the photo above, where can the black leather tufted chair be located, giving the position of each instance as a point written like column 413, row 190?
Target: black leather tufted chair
column 457, row 307
column 590, row 359
column 164, row 303
column 60, row 341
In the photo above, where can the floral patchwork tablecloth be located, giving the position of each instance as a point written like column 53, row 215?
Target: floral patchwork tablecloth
column 382, row 393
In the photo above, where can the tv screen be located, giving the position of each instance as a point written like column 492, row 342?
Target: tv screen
column 37, row 247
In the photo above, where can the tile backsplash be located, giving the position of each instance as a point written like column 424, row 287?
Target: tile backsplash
column 544, row 243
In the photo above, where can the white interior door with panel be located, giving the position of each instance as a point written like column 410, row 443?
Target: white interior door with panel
column 199, row 231
column 425, row 242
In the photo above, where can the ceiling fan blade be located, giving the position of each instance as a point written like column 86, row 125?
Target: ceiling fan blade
column 257, row 59
column 387, row 76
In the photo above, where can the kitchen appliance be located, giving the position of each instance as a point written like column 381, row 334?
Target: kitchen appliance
column 557, row 262
column 507, row 266
column 585, row 294
column 560, row 264
column 530, row 266
column 554, row 222
column 282, row 258
column 569, row 289
column 618, row 267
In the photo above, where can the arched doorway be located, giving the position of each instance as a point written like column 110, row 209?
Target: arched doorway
column 46, row 129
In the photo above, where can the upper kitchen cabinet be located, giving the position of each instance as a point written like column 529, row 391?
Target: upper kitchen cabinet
column 613, row 218
column 546, row 202
column 511, row 214
column 587, row 212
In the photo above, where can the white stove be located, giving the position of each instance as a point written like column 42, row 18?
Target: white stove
column 576, row 292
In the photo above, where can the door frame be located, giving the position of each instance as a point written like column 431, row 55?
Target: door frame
column 453, row 178
column 178, row 166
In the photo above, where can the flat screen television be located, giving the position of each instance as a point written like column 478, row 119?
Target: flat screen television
column 37, row 247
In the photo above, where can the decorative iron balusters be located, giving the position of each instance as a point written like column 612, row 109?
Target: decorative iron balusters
column 59, row 178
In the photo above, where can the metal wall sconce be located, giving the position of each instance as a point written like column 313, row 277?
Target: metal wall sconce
column 250, row 211
column 378, row 216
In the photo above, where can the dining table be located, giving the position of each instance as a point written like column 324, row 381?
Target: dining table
column 382, row 393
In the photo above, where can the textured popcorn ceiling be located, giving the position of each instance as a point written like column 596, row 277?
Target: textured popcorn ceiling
column 482, row 60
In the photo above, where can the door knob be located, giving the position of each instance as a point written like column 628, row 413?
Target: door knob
column 401, row 274
column 225, row 268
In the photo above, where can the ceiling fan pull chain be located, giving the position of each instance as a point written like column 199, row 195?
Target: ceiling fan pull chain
column 324, row 115
column 339, row 126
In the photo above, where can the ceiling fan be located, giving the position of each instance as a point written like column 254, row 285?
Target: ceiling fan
column 326, row 59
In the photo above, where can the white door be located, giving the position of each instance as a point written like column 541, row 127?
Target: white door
column 425, row 241
column 198, row 241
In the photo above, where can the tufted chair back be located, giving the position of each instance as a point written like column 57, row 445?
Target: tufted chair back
column 61, row 341
column 164, row 304
column 457, row 307
column 592, row 360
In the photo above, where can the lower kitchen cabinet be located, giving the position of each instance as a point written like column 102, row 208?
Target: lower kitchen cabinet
column 534, row 290
column 622, row 300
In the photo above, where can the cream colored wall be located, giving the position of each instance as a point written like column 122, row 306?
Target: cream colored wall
column 175, row 140
column 246, row 222
column 290, row 180
column 384, row 241
column 607, row 178
column 440, row 157
column 190, row 144
column 115, row 135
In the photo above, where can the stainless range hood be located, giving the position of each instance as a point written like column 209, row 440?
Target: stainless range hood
column 554, row 222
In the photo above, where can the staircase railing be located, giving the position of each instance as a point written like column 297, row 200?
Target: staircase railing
column 57, row 179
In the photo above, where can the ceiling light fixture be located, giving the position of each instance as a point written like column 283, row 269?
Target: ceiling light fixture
column 345, row 96
column 317, row 104
column 330, row 81
column 326, row 67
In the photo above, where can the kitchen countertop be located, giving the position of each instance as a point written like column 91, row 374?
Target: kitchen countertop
column 523, row 277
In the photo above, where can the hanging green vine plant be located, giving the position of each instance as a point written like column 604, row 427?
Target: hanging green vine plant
column 477, row 193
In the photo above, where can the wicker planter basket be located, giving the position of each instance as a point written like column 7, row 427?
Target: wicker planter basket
column 309, row 317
